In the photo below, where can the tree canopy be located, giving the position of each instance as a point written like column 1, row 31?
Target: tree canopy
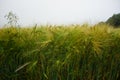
column 114, row 20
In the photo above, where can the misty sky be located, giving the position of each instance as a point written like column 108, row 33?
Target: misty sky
column 59, row 11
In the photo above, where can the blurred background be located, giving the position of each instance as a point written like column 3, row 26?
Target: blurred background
column 32, row 12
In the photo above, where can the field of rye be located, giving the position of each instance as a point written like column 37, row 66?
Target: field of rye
column 74, row 52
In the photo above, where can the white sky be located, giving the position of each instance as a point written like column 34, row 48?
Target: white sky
column 59, row 11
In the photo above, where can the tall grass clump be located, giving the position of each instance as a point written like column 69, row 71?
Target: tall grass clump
column 60, row 53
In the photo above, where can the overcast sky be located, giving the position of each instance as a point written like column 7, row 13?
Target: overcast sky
column 59, row 11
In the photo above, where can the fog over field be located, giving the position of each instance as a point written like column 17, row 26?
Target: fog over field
column 59, row 11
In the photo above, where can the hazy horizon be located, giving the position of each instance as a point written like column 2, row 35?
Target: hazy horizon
column 59, row 11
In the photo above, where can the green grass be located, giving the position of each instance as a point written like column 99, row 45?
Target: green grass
column 71, row 52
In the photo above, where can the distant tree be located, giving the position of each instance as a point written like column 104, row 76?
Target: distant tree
column 114, row 20
column 12, row 19
column 101, row 23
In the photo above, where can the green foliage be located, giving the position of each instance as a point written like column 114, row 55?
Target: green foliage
column 114, row 20
column 60, row 53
